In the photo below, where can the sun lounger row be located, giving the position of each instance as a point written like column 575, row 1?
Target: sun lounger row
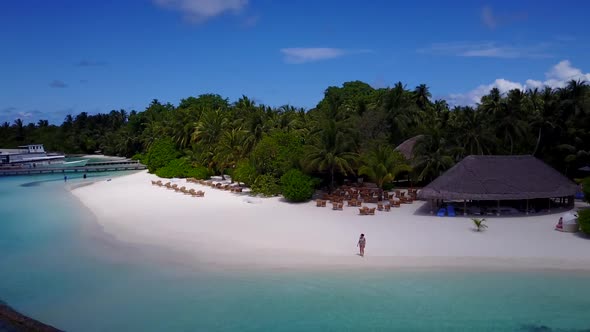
column 232, row 188
column 176, row 188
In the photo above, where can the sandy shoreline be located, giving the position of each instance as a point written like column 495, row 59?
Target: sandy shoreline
column 230, row 229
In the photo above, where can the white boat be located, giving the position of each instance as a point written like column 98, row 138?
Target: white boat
column 64, row 164
column 34, row 156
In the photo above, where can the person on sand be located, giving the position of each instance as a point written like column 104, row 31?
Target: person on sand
column 559, row 225
column 361, row 245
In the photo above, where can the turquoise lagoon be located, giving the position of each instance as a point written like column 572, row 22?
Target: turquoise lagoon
column 57, row 266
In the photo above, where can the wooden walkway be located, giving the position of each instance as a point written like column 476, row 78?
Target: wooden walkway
column 98, row 167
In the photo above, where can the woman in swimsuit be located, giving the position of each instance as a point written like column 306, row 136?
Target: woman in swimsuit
column 361, row 244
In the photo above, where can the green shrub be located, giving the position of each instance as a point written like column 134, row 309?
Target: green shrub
column 584, row 220
column 296, row 186
column 160, row 154
column 266, row 185
column 140, row 157
column 244, row 172
column 586, row 189
column 277, row 153
column 180, row 168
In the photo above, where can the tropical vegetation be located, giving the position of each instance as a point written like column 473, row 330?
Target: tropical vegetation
column 479, row 224
column 351, row 133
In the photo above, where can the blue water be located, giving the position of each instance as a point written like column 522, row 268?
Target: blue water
column 57, row 266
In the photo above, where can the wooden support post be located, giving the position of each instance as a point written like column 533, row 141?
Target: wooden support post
column 464, row 207
column 498, row 210
column 527, row 207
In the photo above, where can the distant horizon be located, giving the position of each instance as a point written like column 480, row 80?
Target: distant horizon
column 95, row 57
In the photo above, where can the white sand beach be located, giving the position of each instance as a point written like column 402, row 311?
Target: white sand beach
column 232, row 228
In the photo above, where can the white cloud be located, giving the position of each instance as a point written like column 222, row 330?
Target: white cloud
column 488, row 49
column 198, row 11
column 488, row 18
column 556, row 77
column 299, row 55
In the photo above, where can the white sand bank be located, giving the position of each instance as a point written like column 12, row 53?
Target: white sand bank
column 224, row 227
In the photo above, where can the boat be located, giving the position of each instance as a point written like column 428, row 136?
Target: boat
column 34, row 156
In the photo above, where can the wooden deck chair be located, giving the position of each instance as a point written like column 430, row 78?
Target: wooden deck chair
column 324, row 203
column 362, row 211
column 372, row 211
column 335, row 205
column 380, row 206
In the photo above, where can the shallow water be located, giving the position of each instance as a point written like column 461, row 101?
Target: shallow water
column 56, row 266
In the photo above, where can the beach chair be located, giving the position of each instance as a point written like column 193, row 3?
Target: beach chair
column 387, row 208
column 324, row 203
column 380, row 206
column 363, row 211
column 441, row 212
column 372, row 211
column 451, row 211
column 318, row 203
column 200, row 193
column 335, row 205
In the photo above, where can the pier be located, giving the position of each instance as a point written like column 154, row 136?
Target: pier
column 91, row 167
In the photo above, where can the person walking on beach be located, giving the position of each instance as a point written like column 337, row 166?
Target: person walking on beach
column 361, row 245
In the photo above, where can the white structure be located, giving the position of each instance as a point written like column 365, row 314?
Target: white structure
column 32, row 156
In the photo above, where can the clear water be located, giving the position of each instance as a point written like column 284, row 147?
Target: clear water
column 54, row 267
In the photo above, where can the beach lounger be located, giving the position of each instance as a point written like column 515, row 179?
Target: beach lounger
column 363, row 211
column 441, row 212
column 318, row 203
column 387, row 207
column 372, row 211
column 451, row 211
column 380, row 206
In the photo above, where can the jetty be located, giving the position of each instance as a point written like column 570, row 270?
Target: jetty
column 101, row 166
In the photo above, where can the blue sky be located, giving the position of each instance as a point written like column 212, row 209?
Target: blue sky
column 64, row 57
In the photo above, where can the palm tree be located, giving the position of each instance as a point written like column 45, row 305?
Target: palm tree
column 230, row 149
column 422, row 95
column 433, row 156
column 401, row 111
column 332, row 151
column 471, row 131
column 210, row 127
column 383, row 164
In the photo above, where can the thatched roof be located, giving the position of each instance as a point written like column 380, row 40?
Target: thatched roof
column 499, row 178
column 407, row 146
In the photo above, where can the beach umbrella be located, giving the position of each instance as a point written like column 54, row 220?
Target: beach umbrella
column 569, row 218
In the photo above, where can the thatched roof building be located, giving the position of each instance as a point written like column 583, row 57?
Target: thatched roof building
column 499, row 178
column 406, row 148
